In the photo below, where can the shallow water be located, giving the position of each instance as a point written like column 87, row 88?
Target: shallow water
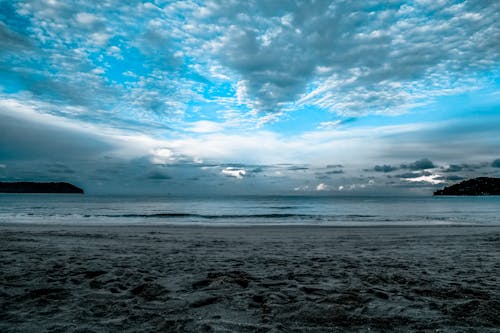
column 293, row 210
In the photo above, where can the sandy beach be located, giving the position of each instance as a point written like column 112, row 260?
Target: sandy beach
column 242, row 279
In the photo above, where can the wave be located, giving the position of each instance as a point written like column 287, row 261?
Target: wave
column 174, row 215
column 242, row 219
column 211, row 216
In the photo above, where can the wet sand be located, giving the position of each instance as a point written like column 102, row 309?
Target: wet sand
column 258, row 279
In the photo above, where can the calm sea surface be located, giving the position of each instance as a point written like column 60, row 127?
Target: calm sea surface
column 355, row 211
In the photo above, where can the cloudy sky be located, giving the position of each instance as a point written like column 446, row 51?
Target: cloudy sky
column 250, row 97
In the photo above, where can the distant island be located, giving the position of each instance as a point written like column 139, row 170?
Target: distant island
column 476, row 186
column 33, row 187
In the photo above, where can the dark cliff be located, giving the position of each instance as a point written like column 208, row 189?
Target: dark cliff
column 32, row 187
column 476, row 186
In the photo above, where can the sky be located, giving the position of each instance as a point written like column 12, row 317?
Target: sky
column 250, row 97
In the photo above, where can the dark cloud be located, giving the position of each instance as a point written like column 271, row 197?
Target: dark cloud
column 496, row 163
column 422, row 164
column 453, row 178
column 453, row 168
column 157, row 175
column 334, row 172
column 471, row 139
column 11, row 41
column 158, row 49
column 474, row 167
column 297, row 168
column 384, row 168
column 25, row 139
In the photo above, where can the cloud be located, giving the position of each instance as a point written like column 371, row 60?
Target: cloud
column 453, row 178
column 151, row 63
column 155, row 43
column 334, row 172
column 302, row 188
column 162, row 155
column 157, row 175
column 453, row 168
column 215, row 91
column 496, row 163
column 322, row 187
column 384, row 168
column 412, row 175
column 335, row 123
column 10, row 41
column 297, row 168
column 234, row 172
column 204, row 126
column 86, row 19
column 431, row 179
column 290, row 52
column 422, row 164
column 26, row 134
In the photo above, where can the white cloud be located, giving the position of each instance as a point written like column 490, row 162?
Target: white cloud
column 100, row 38
column 322, row 187
column 329, row 124
column 115, row 51
column 354, row 147
column 242, row 92
column 350, row 58
column 130, row 74
column 234, row 172
column 98, row 70
column 256, row 152
column 431, row 179
column 162, row 156
column 302, row 188
column 373, row 67
column 217, row 72
column 250, row 64
column 204, row 126
column 86, row 18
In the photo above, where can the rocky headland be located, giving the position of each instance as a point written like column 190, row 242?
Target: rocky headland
column 476, row 186
column 34, row 187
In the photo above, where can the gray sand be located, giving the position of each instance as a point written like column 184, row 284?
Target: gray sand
column 279, row 279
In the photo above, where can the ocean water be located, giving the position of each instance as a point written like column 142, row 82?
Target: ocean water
column 293, row 210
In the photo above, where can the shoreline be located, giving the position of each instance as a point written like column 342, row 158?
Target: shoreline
column 195, row 225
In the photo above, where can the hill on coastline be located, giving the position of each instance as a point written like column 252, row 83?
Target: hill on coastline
column 475, row 186
column 34, row 187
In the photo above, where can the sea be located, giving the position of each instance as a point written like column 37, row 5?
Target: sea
column 248, row 210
